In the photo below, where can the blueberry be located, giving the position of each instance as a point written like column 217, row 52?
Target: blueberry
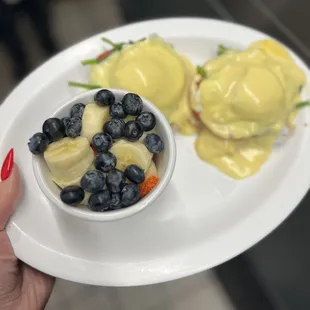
column 66, row 121
column 74, row 127
column 104, row 97
column 105, row 162
column 77, row 110
column 54, row 128
column 116, row 180
column 130, row 195
column 133, row 131
column 114, row 127
column 132, row 104
column 135, row 174
column 93, row 181
column 154, row 143
column 102, row 142
column 115, row 201
column 117, row 111
column 147, row 120
column 72, row 195
column 38, row 143
column 100, row 201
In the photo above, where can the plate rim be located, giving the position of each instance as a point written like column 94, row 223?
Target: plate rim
column 28, row 245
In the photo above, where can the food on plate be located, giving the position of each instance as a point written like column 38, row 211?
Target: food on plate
column 38, row 143
column 135, row 174
column 93, row 119
column 151, row 68
column 154, row 143
column 238, row 103
column 131, row 153
column 68, row 159
column 72, row 195
column 105, row 160
column 148, row 185
column 152, row 171
column 54, row 129
column 243, row 100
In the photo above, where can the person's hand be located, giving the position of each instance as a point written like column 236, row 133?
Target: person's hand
column 21, row 287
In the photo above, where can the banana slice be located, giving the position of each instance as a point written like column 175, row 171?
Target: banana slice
column 77, row 182
column 86, row 198
column 131, row 153
column 152, row 171
column 93, row 120
column 68, row 159
column 64, row 183
column 130, row 118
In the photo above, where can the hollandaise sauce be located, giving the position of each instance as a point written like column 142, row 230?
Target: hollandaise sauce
column 237, row 158
column 155, row 71
column 247, row 99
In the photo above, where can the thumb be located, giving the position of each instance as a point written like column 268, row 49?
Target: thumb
column 9, row 189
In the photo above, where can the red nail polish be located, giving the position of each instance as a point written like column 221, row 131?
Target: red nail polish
column 7, row 165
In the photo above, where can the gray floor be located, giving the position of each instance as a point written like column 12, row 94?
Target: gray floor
column 199, row 292
column 75, row 20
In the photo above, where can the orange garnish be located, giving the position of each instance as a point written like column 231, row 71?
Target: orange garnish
column 148, row 185
column 104, row 55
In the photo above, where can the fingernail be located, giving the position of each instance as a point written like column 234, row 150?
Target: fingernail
column 7, row 165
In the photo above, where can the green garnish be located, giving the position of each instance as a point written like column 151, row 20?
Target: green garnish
column 90, row 62
column 107, row 53
column 221, row 49
column 202, row 72
column 140, row 40
column 302, row 104
column 81, row 85
column 116, row 46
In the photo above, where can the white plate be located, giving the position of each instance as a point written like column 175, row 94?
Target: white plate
column 203, row 219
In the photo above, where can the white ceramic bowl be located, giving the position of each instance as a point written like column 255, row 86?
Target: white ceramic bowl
column 165, row 164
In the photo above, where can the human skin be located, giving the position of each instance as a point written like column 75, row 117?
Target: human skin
column 21, row 287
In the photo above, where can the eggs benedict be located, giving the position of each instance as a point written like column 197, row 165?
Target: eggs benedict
column 243, row 104
column 153, row 69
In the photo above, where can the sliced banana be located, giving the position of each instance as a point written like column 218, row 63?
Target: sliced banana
column 131, row 153
column 94, row 117
column 64, row 183
column 68, row 159
column 129, row 118
column 77, row 182
column 86, row 198
column 152, row 171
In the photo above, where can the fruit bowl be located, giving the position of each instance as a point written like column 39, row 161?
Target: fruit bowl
column 165, row 163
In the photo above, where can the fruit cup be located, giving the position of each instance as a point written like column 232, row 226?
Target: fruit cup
column 165, row 162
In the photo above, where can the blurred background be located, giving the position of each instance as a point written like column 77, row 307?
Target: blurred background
column 274, row 274
column 33, row 30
